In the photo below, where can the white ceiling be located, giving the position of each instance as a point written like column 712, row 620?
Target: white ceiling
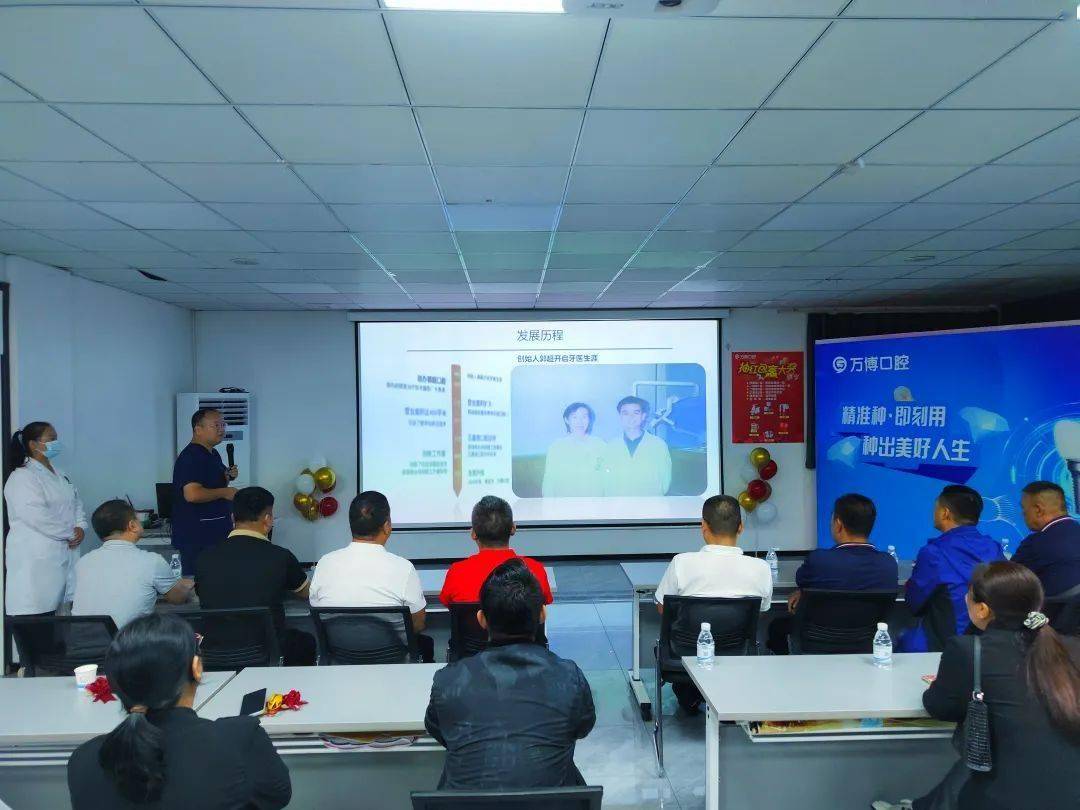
column 326, row 154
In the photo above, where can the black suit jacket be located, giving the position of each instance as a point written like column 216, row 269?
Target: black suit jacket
column 1036, row 765
column 226, row 764
column 509, row 718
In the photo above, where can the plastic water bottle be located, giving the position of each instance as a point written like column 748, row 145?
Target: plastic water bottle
column 774, row 563
column 882, row 647
column 892, row 553
column 705, row 647
column 174, row 564
column 1005, row 549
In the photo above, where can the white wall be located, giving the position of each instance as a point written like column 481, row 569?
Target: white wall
column 301, row 369
column 104, row 366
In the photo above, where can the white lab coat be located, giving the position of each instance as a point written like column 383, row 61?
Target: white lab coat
column 43, row 509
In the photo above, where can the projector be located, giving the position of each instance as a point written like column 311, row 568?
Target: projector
column 641, row 8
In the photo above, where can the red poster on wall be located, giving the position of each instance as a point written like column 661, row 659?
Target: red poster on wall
column 766, row 397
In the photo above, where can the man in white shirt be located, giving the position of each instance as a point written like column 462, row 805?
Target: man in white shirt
column 118, row 579
column 365, row 574
column 718, row 569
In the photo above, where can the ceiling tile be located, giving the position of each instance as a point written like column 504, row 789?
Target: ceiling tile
column 392, row 217
column 82, row 259
column 827, row 216
column 503, row 241
column 36, row 132
column 241, row 261
column 577, row 274
column 236, row 183
column 391, row 242
column 599, row 241
column 310, row 241
column 58, row 215
column 16, row 188
column 1005, row 184
column 764, row 184
column 964, row 138
column 811, row 136
column 173, row 132
column 19, row 241
column 504, row 261
column 718, row 217
column 109, row 55
column 147, row 260
column 1058, row 147
column 492, row 60
column 9, row 91
column 101, row 182
column 1061, row 239
column 492, row 276
column 608, row 262
column 915, row 257
column 503, row 184
column 299, row 289
column 315, row 134
column 1045, row 9
column 253, row 55
column 630, row 184
column 210, row 240
column 486, row 137
column 502, row 217
column 421, row 261
column 787, row 240
column 676, row 137
column 880, row 184
column 611, row 217
column 837, row 258
column 165, row 216
column 278, row 217
column 686, row 260
column 370, row 184
column 331, row 261
column 759, row 258
column 949, row 52
column 1033, row 216
column 997, row 258
column 1068, row 194
column 126, row 239
column 966, row 239
column 869, row 239
column 922, row 216
column 714, row 63
column 694, row 240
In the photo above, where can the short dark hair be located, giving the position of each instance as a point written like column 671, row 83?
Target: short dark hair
column 856, row 513
column 511, row 600
column 199, row 415
column 368, row 513
column 722, row 515
column 1037, row 488
column 965, row 503
column 112, row 517
column 251, row 503
column 641, row 403
column 492, row 520
column 577, row 406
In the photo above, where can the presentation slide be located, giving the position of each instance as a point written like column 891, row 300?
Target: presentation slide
column 573, row 422
column 900, row 417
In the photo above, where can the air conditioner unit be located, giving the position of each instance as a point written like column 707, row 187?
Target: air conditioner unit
column 236, row 408
column 641, row 8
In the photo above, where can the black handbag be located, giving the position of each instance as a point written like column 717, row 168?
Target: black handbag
column 977, row 755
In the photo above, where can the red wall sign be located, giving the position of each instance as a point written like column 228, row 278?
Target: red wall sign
column 766, row 397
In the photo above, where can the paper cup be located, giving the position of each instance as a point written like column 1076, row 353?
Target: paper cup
column 85, row 675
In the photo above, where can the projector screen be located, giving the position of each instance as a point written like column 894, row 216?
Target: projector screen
column 577, row 422
column 899, row 417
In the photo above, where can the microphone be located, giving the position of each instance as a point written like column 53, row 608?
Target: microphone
column 230, row 451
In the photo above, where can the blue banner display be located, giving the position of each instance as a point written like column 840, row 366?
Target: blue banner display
column 899, row 417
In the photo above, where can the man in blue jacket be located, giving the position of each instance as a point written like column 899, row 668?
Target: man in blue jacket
column 948, row 560
column 1052, row 550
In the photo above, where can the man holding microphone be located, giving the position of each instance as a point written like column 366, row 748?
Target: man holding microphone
column 202, row 508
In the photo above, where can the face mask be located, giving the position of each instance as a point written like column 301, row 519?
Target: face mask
column 53, row 448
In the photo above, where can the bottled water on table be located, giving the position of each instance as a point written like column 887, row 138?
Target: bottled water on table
column 174, row 564
column 892, row 553
column 705, row 647
column 774, row 563
column 882, row 646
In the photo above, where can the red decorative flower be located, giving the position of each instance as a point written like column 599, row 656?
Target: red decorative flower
column 101, row 690
column 292, row 700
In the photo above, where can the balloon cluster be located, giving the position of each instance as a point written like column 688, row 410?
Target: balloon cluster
column 756, row 474
column 311, row 499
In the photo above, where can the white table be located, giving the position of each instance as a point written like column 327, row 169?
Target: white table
column 808, row 687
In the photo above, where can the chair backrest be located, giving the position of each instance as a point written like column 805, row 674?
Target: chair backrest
column 1064, row 614
column 234, row 638
column 61, row 643
column 733, row 623
column 365, row 635
column 562, row 798
column 467, row 637
column 837, row 622
column 939, row 619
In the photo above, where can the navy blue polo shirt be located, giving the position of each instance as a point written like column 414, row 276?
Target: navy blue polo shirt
column 197, row 526
column 1054, row 555
column 848, row 567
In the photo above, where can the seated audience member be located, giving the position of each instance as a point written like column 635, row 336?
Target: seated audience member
column 118, row 579
column 1031, row 684
column 162, row 754
column 1052, row 550
column 510, row 716
column 365, row 574
column 948, row 561
column 717, row 569
column 248, row 570
column 492, row 528
column 852, row 564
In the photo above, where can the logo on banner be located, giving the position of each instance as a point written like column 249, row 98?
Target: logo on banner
column 839, row 365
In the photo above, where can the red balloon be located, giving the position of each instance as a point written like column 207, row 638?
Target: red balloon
column 767, row 471
column 757, row 489
column 768, row 492
column 328, row 505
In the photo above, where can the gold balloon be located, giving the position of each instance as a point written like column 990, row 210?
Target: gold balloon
column 311, row 512
column 759, row 457
column 325, row 479
column 747, row 502
column 302, row 501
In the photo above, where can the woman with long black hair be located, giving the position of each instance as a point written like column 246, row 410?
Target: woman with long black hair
column 1031, row 686
column 163, row 755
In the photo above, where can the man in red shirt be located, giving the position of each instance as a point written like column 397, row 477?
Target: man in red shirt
column 492, row 527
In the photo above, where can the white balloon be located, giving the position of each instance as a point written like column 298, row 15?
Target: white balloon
column 747, row 473
column 766, row 513
column 305, row 484
column 317, row 463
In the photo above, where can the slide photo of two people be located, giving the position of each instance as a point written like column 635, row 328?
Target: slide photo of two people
column 594, row 431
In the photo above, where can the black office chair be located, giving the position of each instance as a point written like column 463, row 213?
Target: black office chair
column 467, row 637
column 837, row 622
column 61, row 643
column 234, row 638
column 562, row 798
column 365, row 635
column 1064, row 612
column 939, row 619
column 734, row 627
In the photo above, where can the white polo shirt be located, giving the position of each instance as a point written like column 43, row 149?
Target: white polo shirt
column 720, row 571
column 366, row 575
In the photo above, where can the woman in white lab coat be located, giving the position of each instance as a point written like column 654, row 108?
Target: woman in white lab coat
column 47, row 525
column 574, row 465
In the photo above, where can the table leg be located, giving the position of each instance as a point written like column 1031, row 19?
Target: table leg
column 712, row 759
column 636, row 685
